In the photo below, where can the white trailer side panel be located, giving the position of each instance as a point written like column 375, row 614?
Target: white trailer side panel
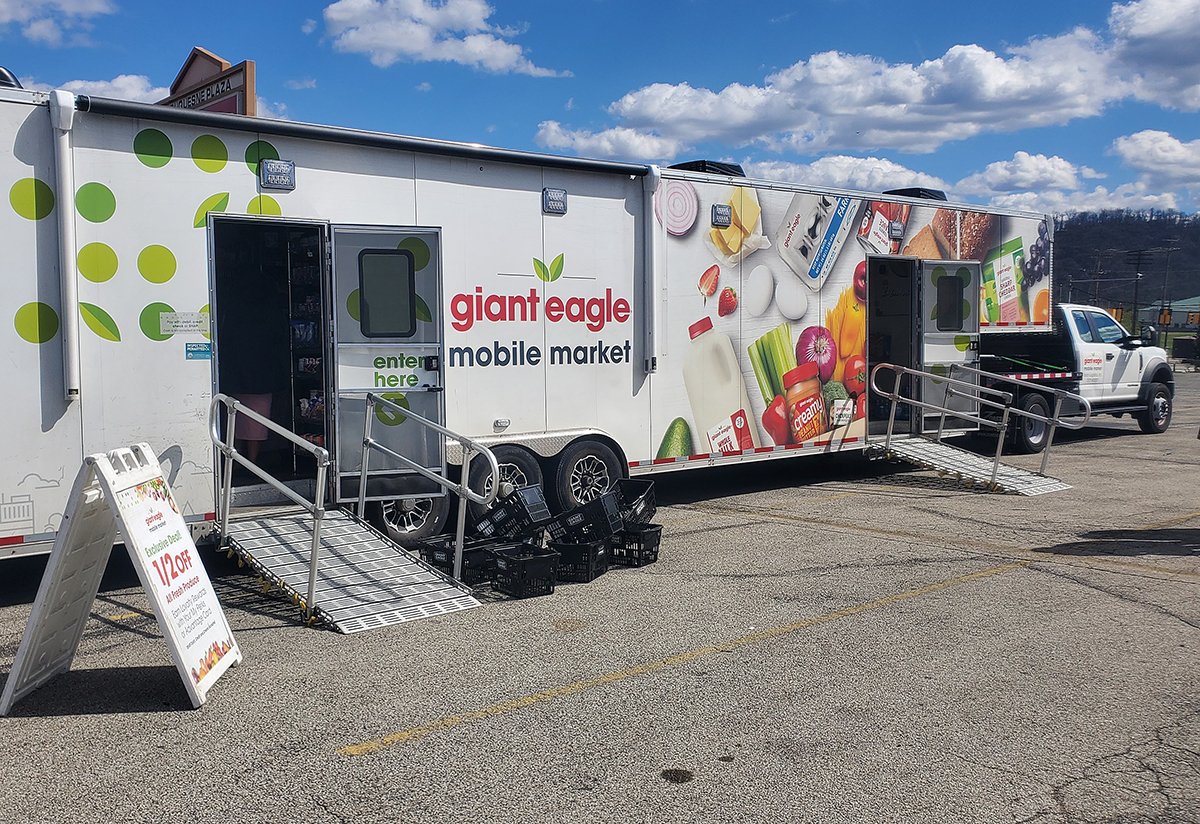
column 41, row 430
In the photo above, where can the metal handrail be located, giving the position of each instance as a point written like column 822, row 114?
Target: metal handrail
column 316, row 508
column 463, row 490
column 977, row 392
column 1056, row 420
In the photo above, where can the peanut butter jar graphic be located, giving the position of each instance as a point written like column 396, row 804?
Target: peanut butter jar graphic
column 716, row 390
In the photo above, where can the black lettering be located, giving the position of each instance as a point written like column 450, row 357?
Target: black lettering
column 462, row 356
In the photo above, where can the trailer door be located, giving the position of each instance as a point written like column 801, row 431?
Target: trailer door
column 387, row 330
column 949, row 334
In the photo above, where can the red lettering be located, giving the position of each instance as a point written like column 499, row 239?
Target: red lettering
column 554, row 309
column 466, row 309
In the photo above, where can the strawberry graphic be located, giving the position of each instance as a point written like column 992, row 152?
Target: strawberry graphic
column 708, row 281
column 727, row 302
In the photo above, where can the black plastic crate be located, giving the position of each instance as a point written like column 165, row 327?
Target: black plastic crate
column 525, row 570
column 581, row 562
column 515, row 515
column 636, row 546
column 478, row 564
column 635, row 500
column 593, row 521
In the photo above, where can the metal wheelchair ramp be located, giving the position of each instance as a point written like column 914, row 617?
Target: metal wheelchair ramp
column 363, row 580
column 966, row 467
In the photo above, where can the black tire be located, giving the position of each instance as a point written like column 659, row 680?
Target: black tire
column 584, row 471
column 518, row 467
column 1157, row 416
column 1030, row 436
column 412, row 520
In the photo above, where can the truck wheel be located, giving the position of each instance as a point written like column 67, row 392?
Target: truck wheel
column 410, row 520
column 1157, row 416
column 1030, row 436
column 518, row 468
column 585, row 470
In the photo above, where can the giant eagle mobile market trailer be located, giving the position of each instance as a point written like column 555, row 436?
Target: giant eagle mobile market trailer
column 587, row 319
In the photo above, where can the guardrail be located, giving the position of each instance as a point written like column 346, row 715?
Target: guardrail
column 983, row 395
column 316, row 508
column 463, row 490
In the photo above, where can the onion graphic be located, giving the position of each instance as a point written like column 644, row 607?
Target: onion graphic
column 680, row 203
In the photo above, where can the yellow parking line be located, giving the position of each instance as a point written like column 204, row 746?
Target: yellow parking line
column 1176, row 521
column 449, row 722
column 123, row 616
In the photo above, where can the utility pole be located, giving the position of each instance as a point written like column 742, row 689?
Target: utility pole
column 1136, row 256
column 1164, row 333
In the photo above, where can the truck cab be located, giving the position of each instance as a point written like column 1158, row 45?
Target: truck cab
column 1088, row 352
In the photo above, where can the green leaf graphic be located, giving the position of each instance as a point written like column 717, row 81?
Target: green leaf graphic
column 556, row 267
column 99, row 321
column 423, row 312
column 216, row 203
column 540, row 270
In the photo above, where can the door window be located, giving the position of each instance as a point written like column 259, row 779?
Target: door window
column 1082, row 326
column 1107, row 329
column 387, row 291
column 950, row 303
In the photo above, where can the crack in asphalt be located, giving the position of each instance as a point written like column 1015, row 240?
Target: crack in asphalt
column 1120, row 596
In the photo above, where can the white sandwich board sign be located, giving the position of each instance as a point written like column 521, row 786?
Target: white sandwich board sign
column 124, row 491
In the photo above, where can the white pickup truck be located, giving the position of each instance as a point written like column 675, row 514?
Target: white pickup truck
column 1089, row 353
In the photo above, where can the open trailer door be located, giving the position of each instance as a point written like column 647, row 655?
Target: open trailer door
column 949, row 333
column 388, row 334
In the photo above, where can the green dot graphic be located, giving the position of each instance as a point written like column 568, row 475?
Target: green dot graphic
column 264, row 205
column 962, row 343
column 209, row 153
column 95, row 202
column 97, row 262
column 259, row 150
column 206, row 309
column 156, row 263
column 419, row 249
column 36, row 322
column 31, row 198
column 352, row 305
column 151, row 322
column 153, row 148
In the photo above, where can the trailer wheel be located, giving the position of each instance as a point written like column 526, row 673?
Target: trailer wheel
column 585, row 470
column 410, row 520
column 1157, row 416
column 518, row 468
column 1030, row 436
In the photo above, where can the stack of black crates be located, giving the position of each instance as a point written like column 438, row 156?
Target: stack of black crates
column 522, row 550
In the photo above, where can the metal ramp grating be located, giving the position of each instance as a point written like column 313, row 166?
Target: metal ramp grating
column 364, row 581
column 967, row 466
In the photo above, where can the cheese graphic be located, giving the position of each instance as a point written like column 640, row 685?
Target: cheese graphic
column 728, row 239
column 745, row 209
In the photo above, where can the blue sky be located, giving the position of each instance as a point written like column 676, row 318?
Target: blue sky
column 1049, row 106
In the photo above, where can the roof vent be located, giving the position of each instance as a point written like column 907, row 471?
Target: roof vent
column 8, row 80
column 918, row 191
column 712, row 167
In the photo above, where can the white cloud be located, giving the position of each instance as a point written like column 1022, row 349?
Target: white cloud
column 1155, row 45
column 1126, row 196
column 570, row 104
column 274, row 111
column 424, row 86
column 136, row 87
column 872, row 174
column 308, row 26
column 620, row 142
column 1025, row 172
column 1164, row 162
column 302, row 83
column 842, row 101
column 453, row 31
column 47, row 21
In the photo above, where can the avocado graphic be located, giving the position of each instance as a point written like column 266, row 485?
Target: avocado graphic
column 677, row 440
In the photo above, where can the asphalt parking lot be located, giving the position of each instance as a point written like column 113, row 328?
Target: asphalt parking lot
column 824, row 641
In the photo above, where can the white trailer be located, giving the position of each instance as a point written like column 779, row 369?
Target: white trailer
column 586, row 319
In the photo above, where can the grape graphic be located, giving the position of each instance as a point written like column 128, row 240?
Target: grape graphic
column 153, row 148
column 36, row 322
column 209, row 153
column 1037, row 268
